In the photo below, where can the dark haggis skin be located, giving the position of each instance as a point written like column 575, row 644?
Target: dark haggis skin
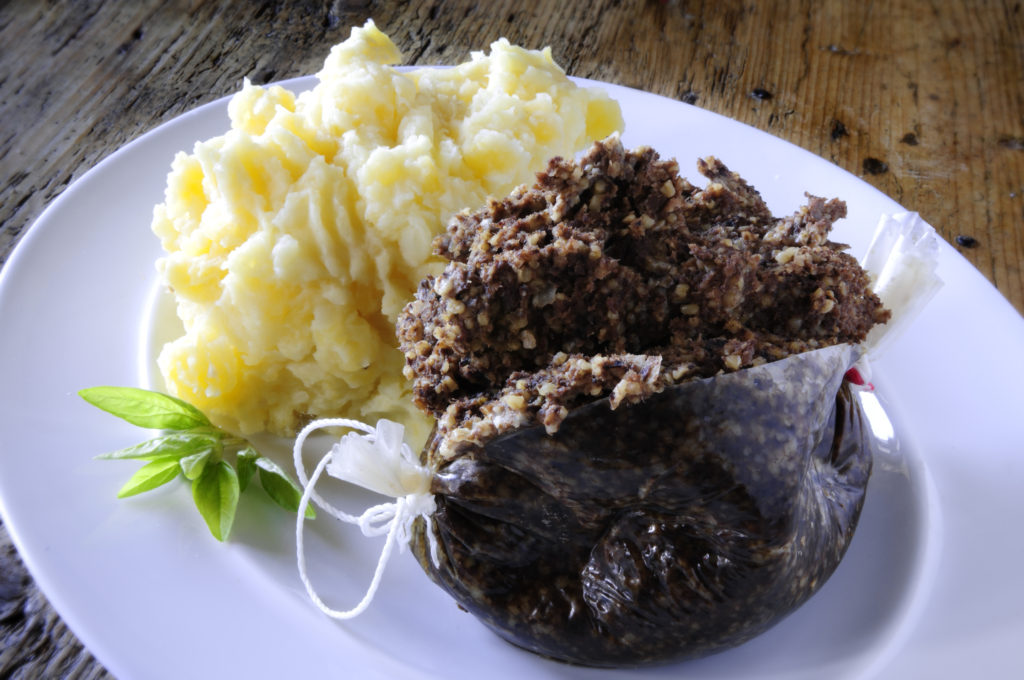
column 669, row 529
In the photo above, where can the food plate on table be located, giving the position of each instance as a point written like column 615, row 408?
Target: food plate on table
column 930, row 586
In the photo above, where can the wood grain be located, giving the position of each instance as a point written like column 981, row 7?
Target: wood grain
column 923, row 99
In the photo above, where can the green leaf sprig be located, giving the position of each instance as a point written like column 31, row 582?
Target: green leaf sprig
column 191, row 446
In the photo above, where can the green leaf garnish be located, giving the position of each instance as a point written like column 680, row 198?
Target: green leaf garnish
column 150, row 476
column 192, row 446
column 145, row 408
column 175, row 445
column 193, row 466
column 245, row 464
column 215, row 493
column 280, row 487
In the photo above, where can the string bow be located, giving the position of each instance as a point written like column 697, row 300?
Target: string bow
column 377, row 459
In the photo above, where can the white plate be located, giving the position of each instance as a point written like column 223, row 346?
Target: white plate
column 931, row 587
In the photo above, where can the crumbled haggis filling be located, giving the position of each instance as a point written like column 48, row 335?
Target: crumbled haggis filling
column 614, row 277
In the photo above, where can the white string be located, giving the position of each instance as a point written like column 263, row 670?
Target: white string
column 378, row 460
column 300, row 469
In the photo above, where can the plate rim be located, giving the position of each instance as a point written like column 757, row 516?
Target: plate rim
column 25, row 246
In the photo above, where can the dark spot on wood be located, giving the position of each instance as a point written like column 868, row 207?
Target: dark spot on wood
column 511, row 18
column 967, row 241
column 18, row 177
column 264, row 76
column 22, row 201
column 954, row 43
column 934, row 97
column 842, row 51
column 689, row 97
column 268, row 8
column 136, row 36
column 910, row 139
column 1016, row 143
column 838, row 130
column 331, row 19
column 875, row 166
column 761, row 94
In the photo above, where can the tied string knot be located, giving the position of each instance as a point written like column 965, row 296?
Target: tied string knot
column 375, row 458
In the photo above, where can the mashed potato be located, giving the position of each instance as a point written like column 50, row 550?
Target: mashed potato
column 293, row 240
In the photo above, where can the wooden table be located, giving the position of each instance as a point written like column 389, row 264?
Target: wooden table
column 923, row 99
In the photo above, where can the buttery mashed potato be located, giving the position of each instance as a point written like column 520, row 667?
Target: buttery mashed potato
column 294, row 240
